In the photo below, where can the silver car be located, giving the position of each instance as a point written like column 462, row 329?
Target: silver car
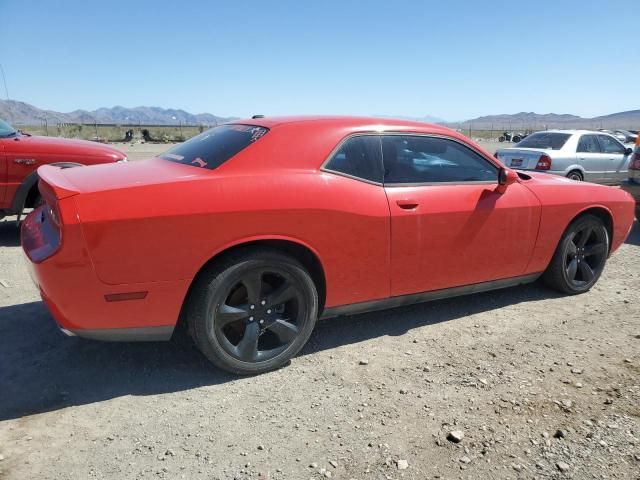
column 577, row 154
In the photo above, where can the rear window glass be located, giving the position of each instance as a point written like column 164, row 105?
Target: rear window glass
column 546, row 140
column 212, row 148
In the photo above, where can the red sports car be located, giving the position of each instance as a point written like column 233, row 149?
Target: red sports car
column 21, row 155
column 252, row 230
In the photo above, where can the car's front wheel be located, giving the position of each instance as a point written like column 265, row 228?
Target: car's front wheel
column 252, row 312
column 580, row 256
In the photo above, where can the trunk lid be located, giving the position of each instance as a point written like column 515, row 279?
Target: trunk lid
column 54, row 184
column 115, row 176
column 522, row 158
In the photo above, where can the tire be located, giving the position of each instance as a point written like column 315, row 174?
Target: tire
column 580, row 256
column 252, row 312
column 501, row 139
column 516, row 139
column 575, row 175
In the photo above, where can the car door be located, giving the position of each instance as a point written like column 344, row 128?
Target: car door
column 617, row 162
column 450, row 226
column 591, row 159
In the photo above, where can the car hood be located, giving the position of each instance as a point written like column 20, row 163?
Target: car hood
column 55, row 145
column 118, row 176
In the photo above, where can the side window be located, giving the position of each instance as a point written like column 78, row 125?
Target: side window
column 417, row 159
column 610, row 145
column 588, row 144
column 359, row 157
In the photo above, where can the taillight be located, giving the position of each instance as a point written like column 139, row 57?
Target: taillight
column 41, row 236
column 635, row 161
column 544, row 162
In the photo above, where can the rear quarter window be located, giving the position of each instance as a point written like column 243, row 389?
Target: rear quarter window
column 212, row 148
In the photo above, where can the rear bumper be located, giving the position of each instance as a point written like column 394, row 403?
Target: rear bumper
column 84, row 306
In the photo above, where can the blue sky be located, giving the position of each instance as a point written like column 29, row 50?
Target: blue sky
column 451, row 59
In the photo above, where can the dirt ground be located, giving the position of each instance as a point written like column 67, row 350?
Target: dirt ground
column 539, row 385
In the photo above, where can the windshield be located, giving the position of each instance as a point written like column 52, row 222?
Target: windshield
column 212, row 148
column 6, row 130
column 546, row 140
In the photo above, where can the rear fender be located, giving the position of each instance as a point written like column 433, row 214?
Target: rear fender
column 252, row 240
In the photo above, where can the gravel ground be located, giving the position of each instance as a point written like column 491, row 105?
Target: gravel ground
column 518, row 383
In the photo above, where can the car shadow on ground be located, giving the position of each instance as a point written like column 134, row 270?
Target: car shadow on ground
column 9, row 233
column 43, row 370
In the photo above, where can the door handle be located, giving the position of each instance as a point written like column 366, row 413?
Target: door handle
column 407, row 204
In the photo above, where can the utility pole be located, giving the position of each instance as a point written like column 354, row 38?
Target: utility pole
column 4, row 80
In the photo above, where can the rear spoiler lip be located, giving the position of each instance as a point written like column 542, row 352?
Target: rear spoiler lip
column 52, row 178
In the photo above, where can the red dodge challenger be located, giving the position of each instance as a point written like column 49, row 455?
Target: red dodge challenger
column 253, row 230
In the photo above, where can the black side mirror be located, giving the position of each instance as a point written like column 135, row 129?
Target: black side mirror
column 628, row 151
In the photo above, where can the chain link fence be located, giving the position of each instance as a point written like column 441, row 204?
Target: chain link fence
column 114, row 133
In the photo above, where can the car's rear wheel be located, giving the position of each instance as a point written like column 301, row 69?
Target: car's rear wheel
column 580, row 256
column 575, row 175
column 253, row 312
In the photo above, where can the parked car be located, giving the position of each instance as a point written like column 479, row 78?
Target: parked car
column 632, row 184
column 621, row 137
column 21, row 154
column 251, row 231
column 576, row 154
column 629, row 136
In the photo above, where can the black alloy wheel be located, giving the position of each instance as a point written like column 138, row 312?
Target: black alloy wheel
column 252, row 312
column 580, row 257
column 259, row 316
column 585, row 255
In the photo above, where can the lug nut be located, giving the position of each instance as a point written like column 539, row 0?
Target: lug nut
column 251, row 319
column 252, row 307
column 268, row 310
column 261, row 321
column 263, row 302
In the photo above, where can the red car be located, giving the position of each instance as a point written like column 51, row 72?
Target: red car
column 252, row 230
column 21, row 155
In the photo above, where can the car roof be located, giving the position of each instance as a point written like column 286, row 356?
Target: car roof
column 332, row 129
column 573, row 131
column 354, row 122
